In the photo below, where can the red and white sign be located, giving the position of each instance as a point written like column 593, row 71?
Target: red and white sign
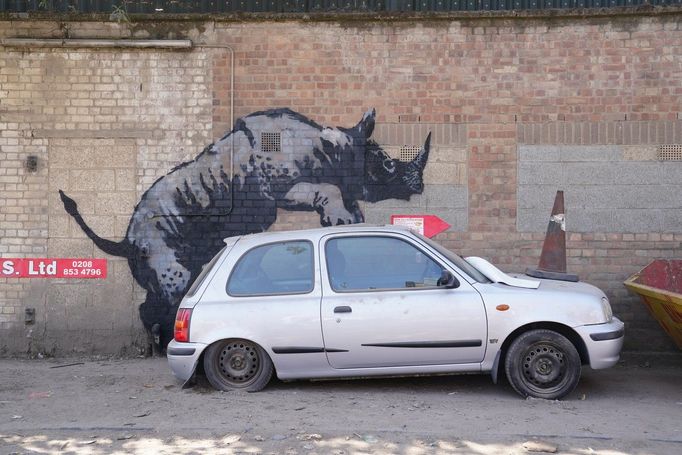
column 427, row 225
column 52, row 268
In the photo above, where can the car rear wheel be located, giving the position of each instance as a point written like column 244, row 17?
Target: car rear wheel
column 543, row 364
column 237, row 365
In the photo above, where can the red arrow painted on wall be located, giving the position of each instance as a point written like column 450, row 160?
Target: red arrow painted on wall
column 428, row 225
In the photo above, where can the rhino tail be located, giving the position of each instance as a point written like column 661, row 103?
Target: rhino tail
column 122, row 248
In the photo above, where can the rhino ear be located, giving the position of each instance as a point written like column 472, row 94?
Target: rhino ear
column 366, row 126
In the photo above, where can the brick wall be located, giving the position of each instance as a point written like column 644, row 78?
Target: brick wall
column 498, row 95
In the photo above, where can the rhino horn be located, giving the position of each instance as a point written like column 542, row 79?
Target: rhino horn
column 419, row 161
column 415, row 169
column 366, row 126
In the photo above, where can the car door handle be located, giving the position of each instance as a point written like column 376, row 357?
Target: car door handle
column 343, row 309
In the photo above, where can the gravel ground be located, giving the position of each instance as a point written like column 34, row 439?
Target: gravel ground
column 136, row 406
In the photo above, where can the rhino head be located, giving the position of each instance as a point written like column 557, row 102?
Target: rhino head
column 385, row 177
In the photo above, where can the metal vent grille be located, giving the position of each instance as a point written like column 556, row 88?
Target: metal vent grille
column 270, row 142
column 670, row 152
column 409, row 152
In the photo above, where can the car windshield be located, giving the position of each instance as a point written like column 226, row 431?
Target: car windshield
column 455, row 259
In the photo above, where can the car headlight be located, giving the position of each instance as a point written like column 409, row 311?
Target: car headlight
column 606, row 308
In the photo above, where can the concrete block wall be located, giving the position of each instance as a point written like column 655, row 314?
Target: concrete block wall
column 609, row 188
column 517, row 109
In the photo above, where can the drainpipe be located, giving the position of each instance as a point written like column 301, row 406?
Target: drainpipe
column 97, row 43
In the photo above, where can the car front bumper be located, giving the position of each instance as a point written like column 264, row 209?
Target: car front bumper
column 603, row 342
column 183, row 358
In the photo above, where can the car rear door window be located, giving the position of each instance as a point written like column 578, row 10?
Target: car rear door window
column 204, row 272
column 369, row 263
column 276, row 268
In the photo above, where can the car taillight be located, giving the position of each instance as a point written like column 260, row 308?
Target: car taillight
column 182, row 325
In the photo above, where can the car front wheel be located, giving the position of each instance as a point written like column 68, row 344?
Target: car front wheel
column 237, row 365
column 542, row 364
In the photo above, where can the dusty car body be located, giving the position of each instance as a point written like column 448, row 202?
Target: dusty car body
column 366, row 301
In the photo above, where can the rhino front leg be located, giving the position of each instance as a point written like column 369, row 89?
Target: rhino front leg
column 326, row 199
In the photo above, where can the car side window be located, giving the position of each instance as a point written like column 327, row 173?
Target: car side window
column 276, row 268
column 368, row 263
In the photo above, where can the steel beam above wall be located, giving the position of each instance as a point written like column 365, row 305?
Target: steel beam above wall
column 164, row 7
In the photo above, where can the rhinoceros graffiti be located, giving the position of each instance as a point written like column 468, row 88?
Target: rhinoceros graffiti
column 181, row 220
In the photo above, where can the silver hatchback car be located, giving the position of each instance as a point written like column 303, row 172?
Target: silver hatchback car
column 359, row 300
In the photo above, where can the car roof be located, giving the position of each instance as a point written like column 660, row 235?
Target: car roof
column 316, row 233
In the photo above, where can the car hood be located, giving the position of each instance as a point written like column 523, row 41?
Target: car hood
column 519, row 280
column 575, row 303
column 570, row 303
column 498, row 276
column 578, row 287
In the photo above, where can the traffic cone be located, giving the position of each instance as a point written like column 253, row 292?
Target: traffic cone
column 553, row 258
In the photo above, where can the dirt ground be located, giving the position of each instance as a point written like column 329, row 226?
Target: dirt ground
column 136, row 406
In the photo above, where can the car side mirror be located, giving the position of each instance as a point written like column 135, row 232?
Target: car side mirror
column 448, row 280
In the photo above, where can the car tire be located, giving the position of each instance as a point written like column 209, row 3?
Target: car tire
column 542, row 364
column 237, row 365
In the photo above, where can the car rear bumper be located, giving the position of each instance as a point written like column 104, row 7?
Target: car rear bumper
column 603, row 342
column 183, row 358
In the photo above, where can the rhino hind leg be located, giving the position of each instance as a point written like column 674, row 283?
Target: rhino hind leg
column 158, row 319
